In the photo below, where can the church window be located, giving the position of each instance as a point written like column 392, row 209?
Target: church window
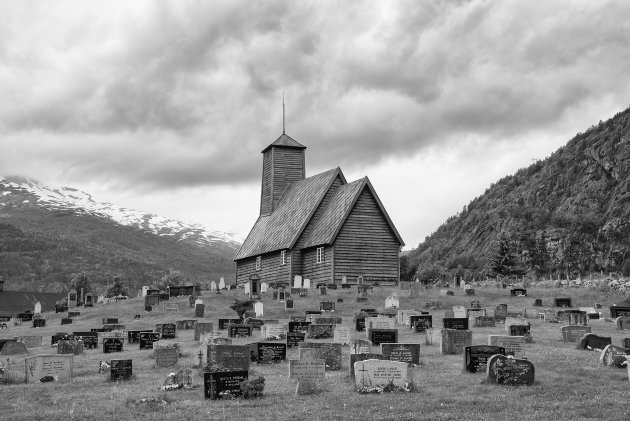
column 258, row 259
column 320, row 254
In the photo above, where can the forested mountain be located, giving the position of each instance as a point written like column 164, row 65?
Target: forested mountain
column 563, row 217
column 49, row 236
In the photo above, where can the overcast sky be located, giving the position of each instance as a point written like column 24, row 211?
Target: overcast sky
column 164, row 106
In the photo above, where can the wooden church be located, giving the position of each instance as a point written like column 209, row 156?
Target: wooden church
column 321, row 227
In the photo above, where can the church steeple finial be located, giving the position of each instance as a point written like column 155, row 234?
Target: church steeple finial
column 283, row 113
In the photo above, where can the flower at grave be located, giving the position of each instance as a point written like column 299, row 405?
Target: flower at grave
column 253, row 388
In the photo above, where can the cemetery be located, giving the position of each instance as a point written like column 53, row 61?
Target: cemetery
column 377, row 358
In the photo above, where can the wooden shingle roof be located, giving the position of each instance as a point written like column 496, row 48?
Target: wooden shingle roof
column 337, row 211
column 285, row 141
column 281, row 229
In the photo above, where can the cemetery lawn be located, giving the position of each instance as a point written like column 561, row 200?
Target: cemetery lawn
column 570, row 384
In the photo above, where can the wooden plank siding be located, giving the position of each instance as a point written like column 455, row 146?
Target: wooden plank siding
column 288, row 167
column 298, row 262
column 317, row 272
column 270, row 268
column 265, row 193
column 366, row 244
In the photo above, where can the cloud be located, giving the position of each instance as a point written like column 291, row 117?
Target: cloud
column 165, row 95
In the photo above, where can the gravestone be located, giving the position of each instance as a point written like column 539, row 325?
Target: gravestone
column 614, row 356
column 538, row 302
column 223, row 323
column 574, row 333
column 228, row 357
column 31, row 341
column 342, row 335
column 520, row 330
column 323, row 290
column 299, row 327
column 39, row 322
column 379, row 323
column 306, row 284
column 185, row 324
column 247, row 289
column 513, row 345
column 13, row 348
column 297, row 281
column 200, row 328
column 288, row 304
column 329, row 352
column 321, row 331
column 112, row 345
column 500, row 313
column 151, row 300
column 38, row 308
column 221, row 283
column 59, row 337
column 328, row 321
column 475, row 312
column 476, row 357
column 518, row 292
column 419, row 323
column 326, row 306
column 40, row 366
column 362, row 357
column 414, row 291
column 166, row 357
column 133, row 336
column 616, row 311
column 510, row 371
column 484, row 321
column 121, row 370
column 403, row 352
column 223, row 384
column 459, row 312
column 456, row 323
column 274, row 331
column 562, row 302
column 454, row 341
column 307, row 372
column 264, row 288
column 380, row 373
column 379, row 336
column 200, row 309
column 622, row 322
column 591, row 341
column 359, row 323
column 392, row 302
column 239, row 331
column 110, row 321
column 258, row 308
column 167, row 330
column 213, row 286
column 294, row 339
column 74, row 314
column 74, row 347
column 270, row 352
column 147, row 339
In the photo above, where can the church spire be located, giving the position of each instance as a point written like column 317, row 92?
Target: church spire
column 283, row 113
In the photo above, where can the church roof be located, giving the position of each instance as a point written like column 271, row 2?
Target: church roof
column 296, row 207
column 285, row 141
column 337, row 211
column 14, row 302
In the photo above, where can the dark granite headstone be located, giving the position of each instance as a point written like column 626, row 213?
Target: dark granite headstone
column 39, row 322
column 614, row 356
column 147, row 339
column 518, row 292
column 520, row 330
column 359, row 324
column 510, row 371
column 421, row 322
column 223, row 384
column 223, row 323
column 538, row 302
column 326, row 306
column 133, row 336
column 618, row 311
column 271, row 352
column 562, row 302
column 74, row 313
column 380, row 336
column 591, row 341
column 112, row 345
column 90, row 339
column 456, row 323
column 476, row 357
column 294, row 339
column 239, row 331
column 168, row 331
column 228, row 357
column 403, row 352
column 60, row 337
column 500, row 313
column 110, row 321
column 121, row 370
column 299, row 327
column 200, row 310
column 288, row 304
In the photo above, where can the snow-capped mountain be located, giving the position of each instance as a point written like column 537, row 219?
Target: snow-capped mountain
column 20, row 192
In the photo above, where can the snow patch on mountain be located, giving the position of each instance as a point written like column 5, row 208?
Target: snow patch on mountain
column 68, row 198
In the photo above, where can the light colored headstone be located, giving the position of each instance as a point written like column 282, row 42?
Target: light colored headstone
column 307, row 283
column 454, row 341
column 144, row 290
column 264, row 288
column 222, row 283
column 31, row 341
column 38, row 308
column 297, row 281
column 513, row 344
column 392, row 302
column 342, row 335
column 13, row 348
column 39, row 366
column 344, row 279
column 375, row 373
column 459, row 312
column 378, row 323
column 198, row 301
column 273, row 331
column 213, row 286
column 247, row 288
column 307, row 369
column 258, row 308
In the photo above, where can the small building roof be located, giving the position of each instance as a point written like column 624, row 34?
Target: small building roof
column 14, row 302
column 281, row 229
column 285, row 141
column 337, row 211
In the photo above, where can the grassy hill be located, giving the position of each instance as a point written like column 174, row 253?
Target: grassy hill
column 564, row 217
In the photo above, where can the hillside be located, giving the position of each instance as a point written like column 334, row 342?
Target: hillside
column 564, row 217
column 49, row 235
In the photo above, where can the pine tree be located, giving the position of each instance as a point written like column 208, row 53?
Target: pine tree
column 503, row 261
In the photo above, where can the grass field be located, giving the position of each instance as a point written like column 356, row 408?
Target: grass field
column 570, row 384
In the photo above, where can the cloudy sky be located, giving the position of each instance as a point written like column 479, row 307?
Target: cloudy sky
column 164, row 106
